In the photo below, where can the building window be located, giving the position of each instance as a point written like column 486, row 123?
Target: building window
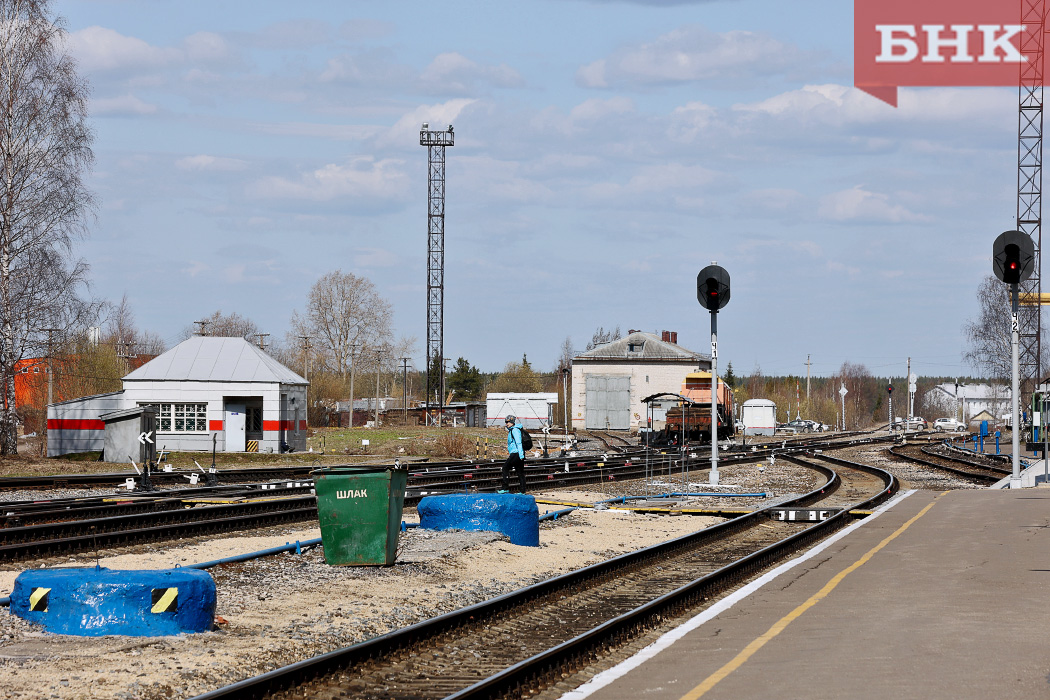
column 180, row 417
column 635, row 347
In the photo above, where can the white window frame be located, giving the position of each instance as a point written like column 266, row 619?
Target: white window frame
column 168, row 415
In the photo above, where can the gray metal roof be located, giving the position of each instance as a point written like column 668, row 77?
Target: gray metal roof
column 643, row 347
column 210, row 359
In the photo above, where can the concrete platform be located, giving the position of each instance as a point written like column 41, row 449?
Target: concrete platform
column 937, row 595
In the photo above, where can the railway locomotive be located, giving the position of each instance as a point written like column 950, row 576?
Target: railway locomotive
column 691, row 419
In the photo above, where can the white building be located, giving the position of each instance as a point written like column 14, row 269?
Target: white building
column 202, row 388
column 948, row 399
column 610, row 381
column 531, row 410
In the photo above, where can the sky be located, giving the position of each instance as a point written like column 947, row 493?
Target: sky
column 605, row 152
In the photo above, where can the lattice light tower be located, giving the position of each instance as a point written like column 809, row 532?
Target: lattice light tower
column 435, row 141
column 1030, row 183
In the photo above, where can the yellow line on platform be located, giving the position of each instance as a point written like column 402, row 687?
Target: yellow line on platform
column 750, row 650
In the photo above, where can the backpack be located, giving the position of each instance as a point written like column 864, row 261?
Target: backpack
column 526, row 439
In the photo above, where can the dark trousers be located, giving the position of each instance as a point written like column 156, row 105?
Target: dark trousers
column 514, row 463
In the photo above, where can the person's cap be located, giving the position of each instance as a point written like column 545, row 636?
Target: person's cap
column 511, row 419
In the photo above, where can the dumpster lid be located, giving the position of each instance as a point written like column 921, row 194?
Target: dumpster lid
column 358, row 469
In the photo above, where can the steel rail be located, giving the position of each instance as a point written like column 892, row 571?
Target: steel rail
column 983, row 478
column 84, row 535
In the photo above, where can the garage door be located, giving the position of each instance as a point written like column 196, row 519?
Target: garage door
column 608, row 402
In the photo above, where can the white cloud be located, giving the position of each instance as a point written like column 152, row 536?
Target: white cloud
column 690, row 120
column 206, row 162
column 375, row 257
column 206, row 47
column 125, row 104
column 693, row 53
column 453, row 72
column 858, row 204
column 361, row 179
column 100, row 49
column 839, row 105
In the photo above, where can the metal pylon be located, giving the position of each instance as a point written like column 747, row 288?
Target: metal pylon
column 435, row 141
column 1030, row 183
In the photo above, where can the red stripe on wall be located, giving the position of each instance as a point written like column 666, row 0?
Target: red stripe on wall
column 75, row 424
column 302, row 425
column 215, row 425
column 281, row 424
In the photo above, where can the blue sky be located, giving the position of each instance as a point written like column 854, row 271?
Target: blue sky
column 606, row 151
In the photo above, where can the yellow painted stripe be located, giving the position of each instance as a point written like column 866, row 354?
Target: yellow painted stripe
column 165, row 600
column 750, row 650
column 35, row 597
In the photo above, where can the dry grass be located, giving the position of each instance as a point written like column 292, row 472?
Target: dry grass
column 341, row 446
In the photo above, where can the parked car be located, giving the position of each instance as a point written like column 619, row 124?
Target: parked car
column 816, row 426
column 916, row 423
column 786, row 428
column 801, row 426
column 949, row 424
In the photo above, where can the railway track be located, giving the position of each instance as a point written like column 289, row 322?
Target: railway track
column 521, row 642
column 33, row 530
column 983, row 471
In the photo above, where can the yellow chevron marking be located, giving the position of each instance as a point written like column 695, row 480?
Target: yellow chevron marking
column 38, row 596
column 166, row 600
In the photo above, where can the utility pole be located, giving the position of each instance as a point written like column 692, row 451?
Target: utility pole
column 262, row 339
column 908, row 379
column 807, row 382
column 353, row 366
column 565, row 401
column 379, row 359
column 436, row 142
column 124, row 353
column 404, row 386
column 441, row 396
column 306, row 374
column 50, row 369
column 203, row 329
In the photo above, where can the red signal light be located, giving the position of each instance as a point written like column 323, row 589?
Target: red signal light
column 1013, row 265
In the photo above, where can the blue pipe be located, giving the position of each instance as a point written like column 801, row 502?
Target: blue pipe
column 553, row 514
column 296, row 546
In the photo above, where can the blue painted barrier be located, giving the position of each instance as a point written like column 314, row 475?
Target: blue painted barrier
column 511, row 514
column 91, row 602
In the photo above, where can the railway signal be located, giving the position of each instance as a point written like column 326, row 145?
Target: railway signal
column 1013, row 257
column 712, row 287
column 1013, row 261
column 712, row 291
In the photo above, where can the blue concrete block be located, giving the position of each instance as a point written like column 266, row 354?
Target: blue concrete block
column 91, row 602
column 511, row 514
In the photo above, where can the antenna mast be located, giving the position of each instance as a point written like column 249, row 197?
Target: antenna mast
column 1030, row 182
column 435, row 141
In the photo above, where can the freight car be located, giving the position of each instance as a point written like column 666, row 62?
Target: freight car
column 691, row 419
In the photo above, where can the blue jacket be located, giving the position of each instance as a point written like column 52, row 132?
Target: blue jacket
column 514, row 441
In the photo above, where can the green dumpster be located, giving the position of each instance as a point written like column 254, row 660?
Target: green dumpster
column 360, row 513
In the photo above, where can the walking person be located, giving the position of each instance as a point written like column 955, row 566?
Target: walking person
column 515, row 455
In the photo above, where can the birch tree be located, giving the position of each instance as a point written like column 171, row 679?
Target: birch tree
column 347, row 318
column 45, row 150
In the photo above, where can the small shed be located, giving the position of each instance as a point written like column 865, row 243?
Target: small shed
column 759, row 417
column 122, row 432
